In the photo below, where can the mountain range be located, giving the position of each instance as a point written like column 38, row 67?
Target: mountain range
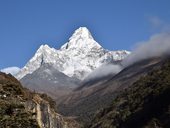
column 91, row 87
column 76, row 58
column 51, row 70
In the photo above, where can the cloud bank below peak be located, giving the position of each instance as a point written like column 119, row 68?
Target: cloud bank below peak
column 12, row 70
column 158, row 45
column 103, row 71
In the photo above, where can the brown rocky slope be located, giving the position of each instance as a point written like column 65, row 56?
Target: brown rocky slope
column 20, row 108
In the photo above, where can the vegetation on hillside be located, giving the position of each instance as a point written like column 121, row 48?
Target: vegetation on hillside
column 13, row 113
column 145, row 104
column 20, row 108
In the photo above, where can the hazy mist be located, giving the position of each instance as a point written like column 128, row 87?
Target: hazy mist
column 157, row 45
column 103, row 71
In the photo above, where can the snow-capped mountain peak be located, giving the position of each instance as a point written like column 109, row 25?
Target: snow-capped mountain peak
column 43, row 47
column 81, row 39
column 43, row 55
column 81, row 32
column 44, row 52
column 76, row 58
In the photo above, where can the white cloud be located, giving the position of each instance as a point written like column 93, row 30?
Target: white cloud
column 103, row 71
column 11, row 70
column 157, row 45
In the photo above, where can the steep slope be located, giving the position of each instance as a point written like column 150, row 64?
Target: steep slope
column 44, row 54
column 47, row 79
column 13, row 113
column 20, row 108
column 85, row 101
column 76, row 58
column 144, row 105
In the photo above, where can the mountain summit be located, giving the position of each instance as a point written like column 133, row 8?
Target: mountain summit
column 81, row 38
column 76, row 58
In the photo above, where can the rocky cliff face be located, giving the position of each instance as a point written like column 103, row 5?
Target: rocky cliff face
column 23, row 109
column 46, row 115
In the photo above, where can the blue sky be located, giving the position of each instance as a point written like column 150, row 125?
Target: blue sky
column 116, row 24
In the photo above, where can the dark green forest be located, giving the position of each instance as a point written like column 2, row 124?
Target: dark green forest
column 145, row 104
